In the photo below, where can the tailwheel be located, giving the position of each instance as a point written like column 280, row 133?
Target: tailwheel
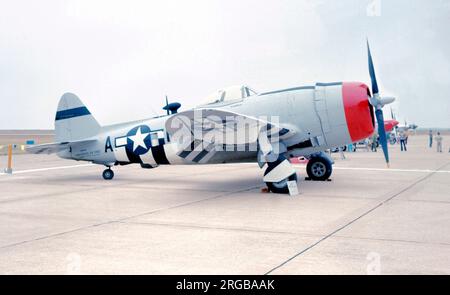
column 108, row 174
column 319, row 168
column 281, row 187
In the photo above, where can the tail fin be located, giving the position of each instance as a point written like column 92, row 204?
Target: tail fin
column 73, row 120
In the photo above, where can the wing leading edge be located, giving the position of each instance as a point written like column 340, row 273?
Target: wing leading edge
column 209, row 130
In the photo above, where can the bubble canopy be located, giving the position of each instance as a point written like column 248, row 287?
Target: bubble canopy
column 230, row 93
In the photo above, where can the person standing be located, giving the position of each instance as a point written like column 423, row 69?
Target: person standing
column 374, row 142
column 438, row 139
column 403, row 137
column 341, row 151
column 350, row 148
column 430, row 135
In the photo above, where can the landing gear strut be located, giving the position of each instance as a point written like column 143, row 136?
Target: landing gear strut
column 319, row 167
column 281, row 187
column 277, row 175
column 279, row 171
column 108, row 174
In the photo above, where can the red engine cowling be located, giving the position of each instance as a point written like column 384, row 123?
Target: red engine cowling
column 358, row 111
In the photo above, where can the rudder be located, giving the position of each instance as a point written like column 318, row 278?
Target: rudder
column 73, row 121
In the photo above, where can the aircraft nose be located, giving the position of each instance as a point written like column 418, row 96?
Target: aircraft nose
column 358, row 112
column 390, row 124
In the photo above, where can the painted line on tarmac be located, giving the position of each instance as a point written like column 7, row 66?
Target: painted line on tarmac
column 295, row 165
column 337, row 230
column 26, row 134
column 383, row 169
column 392, row 169
column 46, row 169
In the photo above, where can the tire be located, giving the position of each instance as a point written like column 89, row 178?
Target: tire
column 281, row 187
column 108, row 174
column 319, row 168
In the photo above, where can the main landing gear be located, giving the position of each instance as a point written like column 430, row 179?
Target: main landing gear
column 319, row 167
column 279, row 171
column 281, row 187
column 277, row 175
column 108, row 174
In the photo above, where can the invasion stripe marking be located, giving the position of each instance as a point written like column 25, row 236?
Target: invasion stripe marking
column 200, row 156
column 159, row 155
column 192, row 148
column 184, row 154
column 132, row 157
column 147, row 158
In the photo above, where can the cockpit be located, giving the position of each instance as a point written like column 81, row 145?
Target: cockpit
column 229, row 94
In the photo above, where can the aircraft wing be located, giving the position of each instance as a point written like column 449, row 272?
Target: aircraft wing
column 210, row 128
column 50, row 148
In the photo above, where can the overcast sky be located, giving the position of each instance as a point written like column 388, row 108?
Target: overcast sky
column 122, row 57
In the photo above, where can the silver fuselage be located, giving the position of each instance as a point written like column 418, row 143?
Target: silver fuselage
column 316, row 113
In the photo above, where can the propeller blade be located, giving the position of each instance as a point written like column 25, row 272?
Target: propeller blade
column 373, row 78
column 378, row 102
column 382, row 134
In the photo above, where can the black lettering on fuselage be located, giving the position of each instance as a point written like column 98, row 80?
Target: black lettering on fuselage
column 108, row 145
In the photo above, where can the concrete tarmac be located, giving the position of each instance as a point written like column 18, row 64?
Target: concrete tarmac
column 61, row 217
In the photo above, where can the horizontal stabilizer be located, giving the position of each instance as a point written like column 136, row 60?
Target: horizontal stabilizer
column 50, row 148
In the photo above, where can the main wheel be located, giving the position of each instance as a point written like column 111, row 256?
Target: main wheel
column 319, row 168
column 108, row 174
column 281, row 187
